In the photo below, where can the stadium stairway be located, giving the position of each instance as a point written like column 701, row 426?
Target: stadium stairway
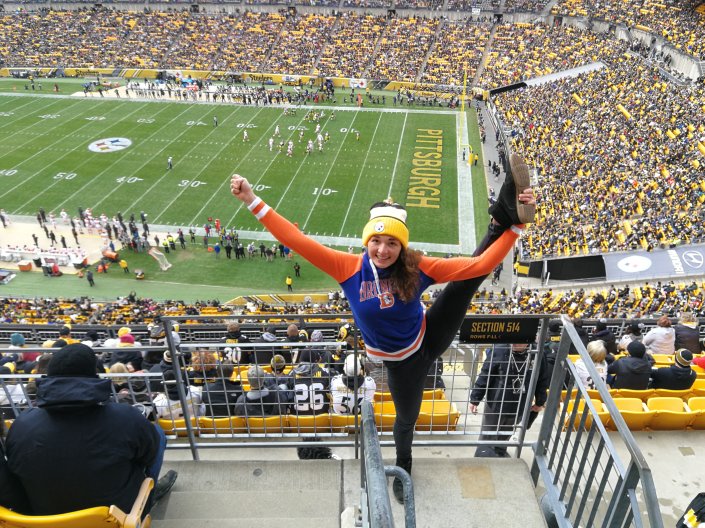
column 280, row 491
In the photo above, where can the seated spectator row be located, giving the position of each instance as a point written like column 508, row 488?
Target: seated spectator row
column 657, row 413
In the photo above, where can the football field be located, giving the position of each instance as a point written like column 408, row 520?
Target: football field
column 110, row 155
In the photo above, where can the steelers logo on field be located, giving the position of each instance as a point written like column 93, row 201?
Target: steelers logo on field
column 634, row 264
column 379, row 227
column 114, row 144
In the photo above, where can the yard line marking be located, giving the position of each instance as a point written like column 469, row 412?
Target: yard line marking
column 275, row 122
column 166, row 172
column 96, row 178
column 359, row 176
column 396, row 160
column 206, row 165
column 50, row 148
column 332, row 165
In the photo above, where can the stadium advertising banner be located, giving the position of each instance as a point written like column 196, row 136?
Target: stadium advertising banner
column 487, row 330
column 671, row 263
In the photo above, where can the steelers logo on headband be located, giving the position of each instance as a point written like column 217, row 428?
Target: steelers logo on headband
column 379, row 227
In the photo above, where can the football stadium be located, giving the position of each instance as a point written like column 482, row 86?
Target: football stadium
column 253, row 253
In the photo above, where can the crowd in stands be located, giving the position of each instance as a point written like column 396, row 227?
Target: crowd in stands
column 351, row 46
column 543, row 50
column 300, row 43
column 681, row 24
column 459, row 45
column 645, row 301
column 628, row 156
column 403, row 47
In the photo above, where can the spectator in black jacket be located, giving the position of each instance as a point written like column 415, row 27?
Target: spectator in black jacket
column 687, row 333
column 502, row 383
column 220, row 395
column 582, row 334
column 77, row 449
column 678, row 376
column 605, row 335
column 632, row 371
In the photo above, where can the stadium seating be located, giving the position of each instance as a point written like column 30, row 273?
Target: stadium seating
column 177, row 427
column 696, row 405
column 302, row 424
column 643, row 395
column 634, row 412
column 669, row 413
column 104, row 516
column 267, row 425
column 437, row 415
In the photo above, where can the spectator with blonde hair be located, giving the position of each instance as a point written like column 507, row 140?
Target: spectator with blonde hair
column 597, row 351
column 661, row 338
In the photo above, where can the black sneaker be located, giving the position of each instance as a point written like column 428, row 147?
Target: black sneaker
column 164, row 485
column 397, row 486
column 508, row 210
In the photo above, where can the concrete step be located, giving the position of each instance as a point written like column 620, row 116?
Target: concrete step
column 252, row 493
column 450, row 492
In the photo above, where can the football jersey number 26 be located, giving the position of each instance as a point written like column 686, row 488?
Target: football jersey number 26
column 309, row 398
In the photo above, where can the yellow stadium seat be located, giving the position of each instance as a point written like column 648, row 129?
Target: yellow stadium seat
column 634, row 412
column 697, row 407
column 385, row 414
column 227, row 425
column 268, row 424
column 671, row 413
column 104, row 516
column 344, row 422
column 663, row 359
column 698, row 388
column 682, row 394
column 602, row 414
column 643, row 395
column 177, row 427
column 319, row 423
column 437, row 415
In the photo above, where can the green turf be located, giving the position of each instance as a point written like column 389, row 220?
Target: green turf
column 46, row 163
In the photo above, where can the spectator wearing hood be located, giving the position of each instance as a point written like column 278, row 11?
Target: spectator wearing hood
column 679, row 376
column 687, row 334
column 632, row 371
column 661, row 338
column 77, row 449
column 604, row 334
column 259, row 400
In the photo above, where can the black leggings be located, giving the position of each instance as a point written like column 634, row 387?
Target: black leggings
column 406, row 379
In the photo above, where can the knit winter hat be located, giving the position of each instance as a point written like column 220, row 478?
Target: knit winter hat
column 278, row 363
column 387, row 219
column 636, row 349
column 77, row 360
column 683, row 357
column 317, row 336
column 127, row 339
column 17, row 339
column 124, row 330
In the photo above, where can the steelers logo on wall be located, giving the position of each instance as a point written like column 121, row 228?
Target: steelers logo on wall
column 106, row 145
column 634, row 264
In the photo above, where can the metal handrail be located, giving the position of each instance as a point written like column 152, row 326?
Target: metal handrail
column 559, row 455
